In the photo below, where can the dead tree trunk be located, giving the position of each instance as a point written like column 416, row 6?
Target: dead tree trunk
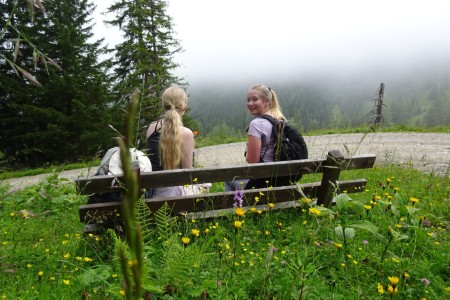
column 379, row 105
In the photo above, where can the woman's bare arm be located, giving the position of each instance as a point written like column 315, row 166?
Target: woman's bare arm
column 253, row 150
column 187, row 141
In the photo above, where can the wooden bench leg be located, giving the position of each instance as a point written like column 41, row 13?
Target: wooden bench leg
column 328, row 185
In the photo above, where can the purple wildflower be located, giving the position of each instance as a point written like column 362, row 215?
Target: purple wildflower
column 426, row 223
column 238, row 198
column 364, row 242
column 425, row 281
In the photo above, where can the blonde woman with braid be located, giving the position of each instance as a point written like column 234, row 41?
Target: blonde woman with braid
column 170, row 145
column 261, row 100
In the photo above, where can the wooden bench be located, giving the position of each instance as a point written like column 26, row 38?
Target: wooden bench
column 215, row 204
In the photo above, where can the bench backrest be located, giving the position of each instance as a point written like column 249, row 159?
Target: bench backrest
column 109, row 183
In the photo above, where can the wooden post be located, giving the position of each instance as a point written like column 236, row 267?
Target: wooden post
column 331, row 172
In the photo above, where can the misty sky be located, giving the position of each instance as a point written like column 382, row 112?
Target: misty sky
column 261, row 38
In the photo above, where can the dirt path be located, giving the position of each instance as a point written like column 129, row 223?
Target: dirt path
column 426, row 151
column 429, row 152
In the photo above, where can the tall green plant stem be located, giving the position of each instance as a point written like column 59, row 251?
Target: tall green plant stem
column 133, row 231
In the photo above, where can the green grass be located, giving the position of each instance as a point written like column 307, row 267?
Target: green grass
column 51, row 169
column 289, row 254
column 393, row 128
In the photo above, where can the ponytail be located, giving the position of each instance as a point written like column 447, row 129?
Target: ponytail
column 171, row 152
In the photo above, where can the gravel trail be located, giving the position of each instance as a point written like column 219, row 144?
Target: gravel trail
column 429, row 152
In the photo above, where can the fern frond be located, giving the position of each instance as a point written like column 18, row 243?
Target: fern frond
column 117, row 245
column 182, row 265
column 143, row 217
column 164, row 222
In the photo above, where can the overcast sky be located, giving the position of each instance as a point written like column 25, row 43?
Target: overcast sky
column 254, row 38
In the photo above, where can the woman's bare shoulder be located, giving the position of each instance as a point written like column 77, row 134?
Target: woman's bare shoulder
column 152, row 128
column 186, row 131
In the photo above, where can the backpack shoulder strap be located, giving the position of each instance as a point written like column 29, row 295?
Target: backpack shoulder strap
column 275, row 132
column 104, row 164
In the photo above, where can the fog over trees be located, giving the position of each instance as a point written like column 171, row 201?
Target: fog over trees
column 319, row 84
column 416, row 95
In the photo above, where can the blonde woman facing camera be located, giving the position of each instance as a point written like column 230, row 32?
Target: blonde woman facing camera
column 170, row 145
column 261, row 100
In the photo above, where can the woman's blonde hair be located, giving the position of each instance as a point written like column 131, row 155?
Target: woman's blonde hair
column 174, row 101
column 271, row 98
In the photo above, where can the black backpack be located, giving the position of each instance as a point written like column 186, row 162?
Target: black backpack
column 290, row 144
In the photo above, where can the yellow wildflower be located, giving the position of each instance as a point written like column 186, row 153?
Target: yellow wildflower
column 237, row 224
column 271, row 205
column 239, row 211
column 394, row 280
column 413, row 200
column 66, row 281
column 195, row 232
column 122, row 293
column 314, row 211
column 259, row 212
column 306, row 200
column 115, row 275
column 206, row 230
column 392, row 290
column 338, row 245
column 87, row 259
column 185, row 240
column 40, row 273
column 380, row 289
column 67, row 255
column 253, row 209
column 368, row 207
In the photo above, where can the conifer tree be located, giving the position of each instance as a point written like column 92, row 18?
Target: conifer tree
column 66, row 117
column 144, row 59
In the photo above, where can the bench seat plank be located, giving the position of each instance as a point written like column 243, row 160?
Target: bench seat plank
column 224, row 200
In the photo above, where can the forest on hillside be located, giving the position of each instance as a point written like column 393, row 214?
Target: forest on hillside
column 414, row 99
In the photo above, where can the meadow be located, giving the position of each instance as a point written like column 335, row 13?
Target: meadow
column 389, row 242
